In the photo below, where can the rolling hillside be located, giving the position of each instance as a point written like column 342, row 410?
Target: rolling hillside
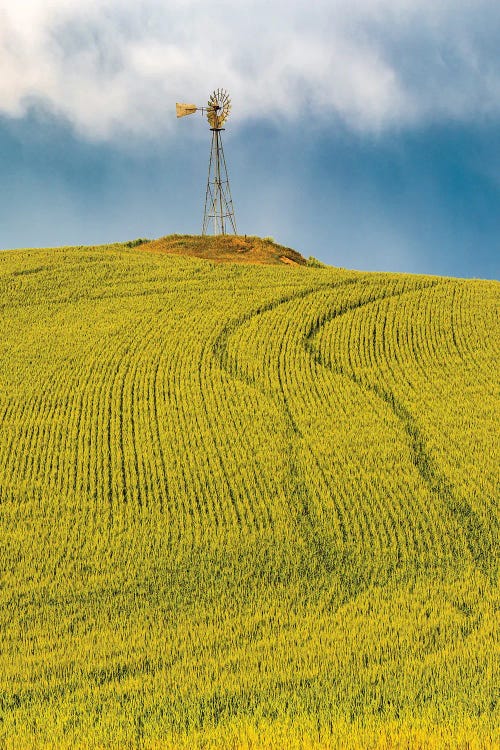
column 246, row 505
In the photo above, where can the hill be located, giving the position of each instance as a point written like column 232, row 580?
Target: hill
column 245, row 505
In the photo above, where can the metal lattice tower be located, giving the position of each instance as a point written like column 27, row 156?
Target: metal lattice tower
column 219, row 211
column 218, row 201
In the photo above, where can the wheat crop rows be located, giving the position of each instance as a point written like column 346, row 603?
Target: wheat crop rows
column 246, row 506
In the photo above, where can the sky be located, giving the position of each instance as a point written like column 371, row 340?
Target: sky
column 363, row 132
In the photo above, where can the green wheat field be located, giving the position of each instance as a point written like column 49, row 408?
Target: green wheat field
column 246, row 505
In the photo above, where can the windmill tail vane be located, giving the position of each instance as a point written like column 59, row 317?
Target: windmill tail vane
column 185, row 109
column 219, row 211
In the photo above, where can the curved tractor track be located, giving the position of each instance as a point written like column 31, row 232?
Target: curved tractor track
column 477, row 537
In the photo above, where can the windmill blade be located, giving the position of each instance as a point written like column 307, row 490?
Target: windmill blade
column 182, row 110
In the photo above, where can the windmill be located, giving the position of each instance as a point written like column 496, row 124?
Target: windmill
column 219, row 210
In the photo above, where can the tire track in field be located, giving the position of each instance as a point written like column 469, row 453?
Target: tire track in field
column 372, row 342
column 220, row 346
column 333, row 558
column 475, row 534
column 436, row 482
column 356, row 574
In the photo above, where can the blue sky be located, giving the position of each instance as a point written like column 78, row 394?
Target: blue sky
column 366, row 134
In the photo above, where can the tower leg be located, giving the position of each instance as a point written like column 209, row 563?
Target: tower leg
column 219, row 211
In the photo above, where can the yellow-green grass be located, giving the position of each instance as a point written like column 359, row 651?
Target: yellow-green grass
column 246, row 506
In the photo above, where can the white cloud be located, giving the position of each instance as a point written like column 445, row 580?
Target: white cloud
column 118, row 66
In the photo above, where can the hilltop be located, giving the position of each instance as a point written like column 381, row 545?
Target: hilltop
column 226, row 249
column 245, row 505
